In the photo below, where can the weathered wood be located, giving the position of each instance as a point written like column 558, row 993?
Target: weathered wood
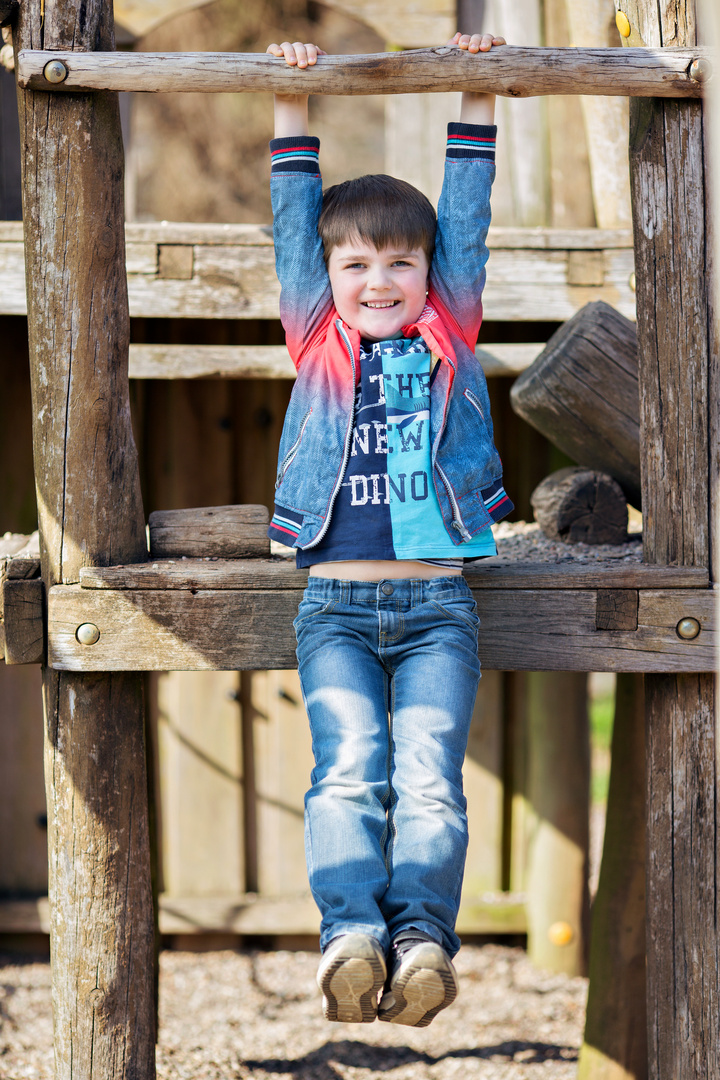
column 541, row 630
column 617, row 609
column 23, row 621
column 510, row 71
column 669, row 186
column 225, row 532
column 234, row 275
column 581, row 506
column 494, row 573
column 615, row 1040
column 558, row 784
column 90, row 511
column 582, row 394
column 682, row 896
column 273, row 361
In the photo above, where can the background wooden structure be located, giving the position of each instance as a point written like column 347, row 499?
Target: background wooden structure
column 676, row 1049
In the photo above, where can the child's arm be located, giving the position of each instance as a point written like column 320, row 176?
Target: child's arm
column 296, row 189
column 458, row 270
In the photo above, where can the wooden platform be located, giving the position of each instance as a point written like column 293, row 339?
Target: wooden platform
column 198, row 614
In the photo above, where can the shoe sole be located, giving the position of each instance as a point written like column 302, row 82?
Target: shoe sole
column 419, row 993
column 351, row 983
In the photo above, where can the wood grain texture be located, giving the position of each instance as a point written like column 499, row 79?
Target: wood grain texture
column 90, row 511
column 540, row 630
column 510, row 71
column 582, row 394
column 495, row 573
column 682, row 888
column 672, row 291
column 226, row 532
column 581, row 506
column 617, row 609
column 615, row 1041
column 22, row 618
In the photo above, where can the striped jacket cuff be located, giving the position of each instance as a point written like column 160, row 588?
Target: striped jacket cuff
column 471, row 141
column 497, row 501
column 296, row 154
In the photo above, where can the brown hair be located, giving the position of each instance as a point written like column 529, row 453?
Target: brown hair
column 380, row 210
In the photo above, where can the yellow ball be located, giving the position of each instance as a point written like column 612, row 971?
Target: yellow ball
column 561, row 933
column 623, row 24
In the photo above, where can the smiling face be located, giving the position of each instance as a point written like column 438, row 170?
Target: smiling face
column 378, row 291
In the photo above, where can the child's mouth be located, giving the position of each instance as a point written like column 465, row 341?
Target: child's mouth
column 379, row 305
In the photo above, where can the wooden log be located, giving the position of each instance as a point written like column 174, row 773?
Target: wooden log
column 22, row 617
column 90, row 511
column 558, row 788
column 509, row 71
column 581, row 506
column 582, row 394
column 233, row 629
column 494, row 573
column 669, row 187
column 224, row 532
column 615, row 1041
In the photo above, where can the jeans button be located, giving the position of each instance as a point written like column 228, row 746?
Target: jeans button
column 387, row 589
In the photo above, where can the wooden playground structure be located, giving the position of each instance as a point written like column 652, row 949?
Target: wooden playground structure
column 100, row 613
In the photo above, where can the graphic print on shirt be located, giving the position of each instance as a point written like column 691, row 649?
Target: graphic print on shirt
column 387, row 507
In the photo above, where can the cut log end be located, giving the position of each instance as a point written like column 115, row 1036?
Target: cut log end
column 581, row 506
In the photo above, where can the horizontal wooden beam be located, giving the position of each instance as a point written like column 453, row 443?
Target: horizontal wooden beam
column 494, row 573
column 489, row 913
column 251, row 629
column 228, row 272
column 510, row 71
column 273, row 361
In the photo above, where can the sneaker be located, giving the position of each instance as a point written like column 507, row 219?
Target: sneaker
column 422, row 982
column 351, row 974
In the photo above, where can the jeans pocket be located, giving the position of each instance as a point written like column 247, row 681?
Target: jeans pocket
column 459, row 609
column 310, row 609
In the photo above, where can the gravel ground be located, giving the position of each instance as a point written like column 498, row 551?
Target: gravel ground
column 234, row 1015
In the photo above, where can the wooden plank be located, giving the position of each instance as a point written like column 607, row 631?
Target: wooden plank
column 293, row 913
column 495, row 573
column 23, row 818
column 483, row 787
column 226, row 532
column 540, row 630
column 22, row 616
column 273, row 361
column 90, row 511
column 509, row 71
column 236, row 280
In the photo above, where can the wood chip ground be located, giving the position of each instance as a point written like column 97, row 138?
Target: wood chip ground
column 240, row 1015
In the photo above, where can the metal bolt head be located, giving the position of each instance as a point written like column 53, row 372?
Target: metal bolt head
column 55, row 71
column 623, row 24
column 700, row 70
column 688, row 628
column 560, row 933
column 87, row 633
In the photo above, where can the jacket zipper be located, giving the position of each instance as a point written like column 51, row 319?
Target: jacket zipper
column 348, row 445
column 457, row 518
column 289, row 457
column 469, row 396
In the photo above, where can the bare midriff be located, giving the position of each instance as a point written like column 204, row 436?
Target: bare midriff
column 381, row 570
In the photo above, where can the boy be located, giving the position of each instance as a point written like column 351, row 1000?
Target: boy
column 388, row 480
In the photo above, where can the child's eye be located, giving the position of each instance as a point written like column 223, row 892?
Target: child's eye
column 402, row 262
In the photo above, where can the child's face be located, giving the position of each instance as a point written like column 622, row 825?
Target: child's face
column 378, row 292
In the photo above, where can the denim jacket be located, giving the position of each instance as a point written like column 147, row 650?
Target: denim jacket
column 317, row 433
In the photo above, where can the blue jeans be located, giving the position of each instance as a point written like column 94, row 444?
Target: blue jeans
column 389, row 673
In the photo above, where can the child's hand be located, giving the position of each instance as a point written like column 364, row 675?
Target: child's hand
column 296, row 54
column 476, row 42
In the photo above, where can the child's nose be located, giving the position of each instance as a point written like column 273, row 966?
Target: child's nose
column 379, row 278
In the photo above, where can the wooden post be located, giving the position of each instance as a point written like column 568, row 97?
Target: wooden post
column 615, row 1042
column 90, row 513
column 676, row 397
